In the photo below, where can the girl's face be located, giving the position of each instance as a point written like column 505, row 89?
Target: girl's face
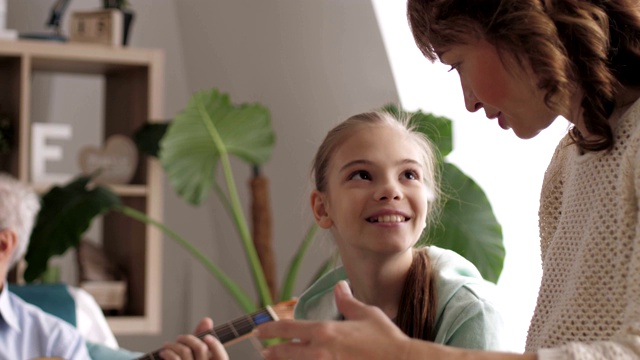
column 376, row 200
column 509, row 95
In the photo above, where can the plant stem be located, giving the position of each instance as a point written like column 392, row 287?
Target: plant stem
column 241, row 223
column 222, row 196
column 241, row 297
column 294, row 266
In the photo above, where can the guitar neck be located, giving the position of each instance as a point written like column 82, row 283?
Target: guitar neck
column 230, row 332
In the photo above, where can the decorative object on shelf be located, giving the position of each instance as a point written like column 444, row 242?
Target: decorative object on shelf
column 100, row 277
column 41, row 152
column 88, row 26
column 55, row 19
column 97, row 27
column 115, row 164
column 127, row 16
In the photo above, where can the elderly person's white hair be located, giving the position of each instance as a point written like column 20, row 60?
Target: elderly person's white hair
column 19, row 205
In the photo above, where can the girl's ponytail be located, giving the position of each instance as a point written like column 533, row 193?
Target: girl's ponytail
column 419, row 301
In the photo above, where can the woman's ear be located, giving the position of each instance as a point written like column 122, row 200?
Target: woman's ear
column 319, row 208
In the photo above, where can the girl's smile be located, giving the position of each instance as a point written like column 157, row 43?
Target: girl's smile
column 388, row 217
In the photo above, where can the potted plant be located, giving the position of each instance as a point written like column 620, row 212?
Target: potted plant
column 223, row 129
column 218, row 129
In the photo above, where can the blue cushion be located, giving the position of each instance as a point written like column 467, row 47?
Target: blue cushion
column 52, row 298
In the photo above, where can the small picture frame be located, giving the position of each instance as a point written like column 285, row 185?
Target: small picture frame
column 97, row 27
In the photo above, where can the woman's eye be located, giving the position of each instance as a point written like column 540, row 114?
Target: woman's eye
column 360, row 175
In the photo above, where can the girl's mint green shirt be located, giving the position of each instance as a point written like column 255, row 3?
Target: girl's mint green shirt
column 466, row 316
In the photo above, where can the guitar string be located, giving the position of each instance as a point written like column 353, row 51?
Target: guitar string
column 241, row 325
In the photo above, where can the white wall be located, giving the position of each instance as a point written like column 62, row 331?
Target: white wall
column 508, row 169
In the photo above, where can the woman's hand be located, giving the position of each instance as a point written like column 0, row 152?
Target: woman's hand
column 189, row 347
column 368, row 334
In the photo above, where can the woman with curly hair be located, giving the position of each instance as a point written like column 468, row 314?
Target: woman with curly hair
column 526, row 63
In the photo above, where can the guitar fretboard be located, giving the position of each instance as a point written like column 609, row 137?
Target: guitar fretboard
column 230, row 331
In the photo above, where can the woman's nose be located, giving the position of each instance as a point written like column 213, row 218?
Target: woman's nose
column 471, row 102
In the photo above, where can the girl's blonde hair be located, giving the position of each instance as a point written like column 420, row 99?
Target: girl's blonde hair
column 590, row 46
column 418, row 301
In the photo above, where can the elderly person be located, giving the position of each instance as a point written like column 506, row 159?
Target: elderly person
column 27, row 332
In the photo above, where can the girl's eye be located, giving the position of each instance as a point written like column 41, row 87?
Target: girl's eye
column 411, row 175
column 360, row 175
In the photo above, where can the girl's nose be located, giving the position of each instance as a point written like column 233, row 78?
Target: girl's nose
column 388, row 191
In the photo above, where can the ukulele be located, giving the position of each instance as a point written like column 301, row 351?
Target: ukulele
column 240, row 328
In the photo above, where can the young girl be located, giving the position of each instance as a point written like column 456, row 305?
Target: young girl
column 526, row 62
column 375, row 187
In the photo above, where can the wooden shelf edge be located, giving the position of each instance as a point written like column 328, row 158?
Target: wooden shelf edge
column 78, row 51
column 121, row 190
column 133, row 325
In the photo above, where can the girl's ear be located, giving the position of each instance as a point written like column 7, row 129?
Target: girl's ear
column 319, row 208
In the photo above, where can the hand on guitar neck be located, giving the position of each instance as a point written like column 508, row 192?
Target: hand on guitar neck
column 208, row 342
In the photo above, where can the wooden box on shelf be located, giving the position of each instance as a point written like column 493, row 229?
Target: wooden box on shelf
column 101, row 277
column 133, row 94
column 110, row 295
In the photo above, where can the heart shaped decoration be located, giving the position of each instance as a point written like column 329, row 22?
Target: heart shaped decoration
column 117, row 162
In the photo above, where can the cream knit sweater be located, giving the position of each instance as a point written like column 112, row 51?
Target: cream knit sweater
column 589, row 300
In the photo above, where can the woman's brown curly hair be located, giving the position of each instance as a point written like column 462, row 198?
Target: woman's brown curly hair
column 590, row 46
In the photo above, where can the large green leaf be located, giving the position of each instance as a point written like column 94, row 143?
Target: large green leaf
column 437, row 128
column 148, row 136
column 65, row 215
column 211, row 127
column 467, row 224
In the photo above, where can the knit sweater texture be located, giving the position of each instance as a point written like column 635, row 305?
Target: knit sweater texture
column 589, row 299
